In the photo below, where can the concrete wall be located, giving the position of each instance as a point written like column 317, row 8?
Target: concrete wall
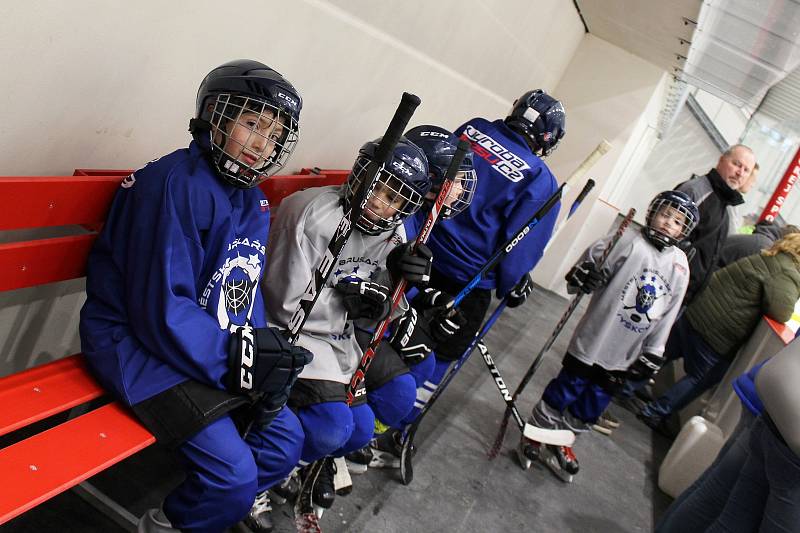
column 111, row 84
column 606, row 91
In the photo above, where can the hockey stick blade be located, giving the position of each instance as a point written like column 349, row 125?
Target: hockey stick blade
column 399, row 290
column 557, row 437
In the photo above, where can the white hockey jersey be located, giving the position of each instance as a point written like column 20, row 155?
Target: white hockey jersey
column 635, row 311
column 298, row 239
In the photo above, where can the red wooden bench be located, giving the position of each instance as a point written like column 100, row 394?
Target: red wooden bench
column 35, row 468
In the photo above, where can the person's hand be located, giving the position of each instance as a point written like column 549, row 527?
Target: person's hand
column 520, row 292
column 645, row 367
column 413, row 267
column 586, row 277
column 365, row 299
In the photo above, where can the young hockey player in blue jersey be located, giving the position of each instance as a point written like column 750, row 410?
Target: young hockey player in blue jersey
column 512, row 183
column 433, row 325
column 637, row 296
column 355, row 297
column 174, row 324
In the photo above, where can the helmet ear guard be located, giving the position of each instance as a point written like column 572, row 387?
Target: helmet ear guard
column 247, row 118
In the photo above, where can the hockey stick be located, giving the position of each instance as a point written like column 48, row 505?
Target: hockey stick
column 498, row 442
column 399, row 290
column 402, row 115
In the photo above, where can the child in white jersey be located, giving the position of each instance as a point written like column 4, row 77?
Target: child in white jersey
column 637, row 296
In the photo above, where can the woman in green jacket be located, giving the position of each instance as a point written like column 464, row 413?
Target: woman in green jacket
column 721, row 319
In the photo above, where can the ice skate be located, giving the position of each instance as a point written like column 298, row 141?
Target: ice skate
column 259, row 519
column 287, row 490
column 324, row 492
column 386, row 450
column 154, row 521
column 342, row 481
column 359, row 461
column 561, row 460
column 527, row 452
column 606, row 424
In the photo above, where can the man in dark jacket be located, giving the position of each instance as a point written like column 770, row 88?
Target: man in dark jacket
column 713, row 193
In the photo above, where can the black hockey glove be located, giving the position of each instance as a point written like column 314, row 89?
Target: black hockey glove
column 365, row 299
column 520, row 292
column 410, row 338
column 415, row 268
column 586, row 277
column 442, row 323
column 261, row 361
column 645, row 367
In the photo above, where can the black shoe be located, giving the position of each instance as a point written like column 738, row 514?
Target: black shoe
column 259, row 519
column 324, row 491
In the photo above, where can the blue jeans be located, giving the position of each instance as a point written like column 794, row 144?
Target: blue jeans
column 753, row 485
column 704, row 368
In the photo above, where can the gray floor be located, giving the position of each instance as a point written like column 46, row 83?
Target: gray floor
column 455, row 488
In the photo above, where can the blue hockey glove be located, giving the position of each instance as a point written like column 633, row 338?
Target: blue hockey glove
column 586, row 277
column 365, row 299
column 414, row 268
column 520, row 292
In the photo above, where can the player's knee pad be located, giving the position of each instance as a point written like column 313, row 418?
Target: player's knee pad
column 394, row 399
column 327, row 427
column 363, row 430
column 277, row 447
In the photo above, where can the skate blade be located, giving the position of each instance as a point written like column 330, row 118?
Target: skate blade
column 342, row 481
column 319, row 511
column 551, row 462
column 602, row 429
column 524, row 462
column 557, row 437
column 357, row 468
column 381, row 459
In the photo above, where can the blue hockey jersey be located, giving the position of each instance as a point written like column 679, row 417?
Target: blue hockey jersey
column 174, row 270
column 512, row 184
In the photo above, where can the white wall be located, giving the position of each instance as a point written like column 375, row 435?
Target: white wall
column 112, row 84
column 605, row 91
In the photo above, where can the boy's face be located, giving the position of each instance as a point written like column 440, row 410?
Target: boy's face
column 384, row 202
column 669, row 221
column 252, row 137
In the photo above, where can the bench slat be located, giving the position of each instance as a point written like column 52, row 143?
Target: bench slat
column 37, row 202
column 44, row 391
column 30, row 263
column 41, row 466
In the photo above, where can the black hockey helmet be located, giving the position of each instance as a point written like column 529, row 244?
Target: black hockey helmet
column 440, row 146
column 262, row 104
column 684, row 215
column 539, row 118
column 400, row 188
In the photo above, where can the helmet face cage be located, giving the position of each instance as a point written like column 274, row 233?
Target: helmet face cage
column 390, row 201
column 251, row 138
column 676, row 205
column 461, row 193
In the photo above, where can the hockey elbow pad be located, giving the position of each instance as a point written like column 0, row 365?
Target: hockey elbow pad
column 262, row 362
column 646, row 366
column 409, row 338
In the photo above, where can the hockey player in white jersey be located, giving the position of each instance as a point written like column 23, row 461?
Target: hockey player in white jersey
column 637, row 297
column 356, row 296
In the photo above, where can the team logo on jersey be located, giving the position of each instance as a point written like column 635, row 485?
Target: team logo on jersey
column 128, row 182
column 503, row 160
column 264, row 206
column 235, row 283
column 643, row 300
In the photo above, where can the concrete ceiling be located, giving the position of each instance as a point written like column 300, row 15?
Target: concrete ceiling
column 658, row 31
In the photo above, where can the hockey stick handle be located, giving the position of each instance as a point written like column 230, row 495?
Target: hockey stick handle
column 394, row 131
column 506, row 248
column 399, row 290
column 599, row 151
column 590, row 183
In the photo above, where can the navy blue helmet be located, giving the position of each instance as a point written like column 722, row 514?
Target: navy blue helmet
column 539, row 118
column 440, row 146
column 399, row 190
column 671, row 217
column 247, row 115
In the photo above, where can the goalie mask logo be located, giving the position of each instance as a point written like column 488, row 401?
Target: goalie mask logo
column 238, row 287
column 643, row 300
